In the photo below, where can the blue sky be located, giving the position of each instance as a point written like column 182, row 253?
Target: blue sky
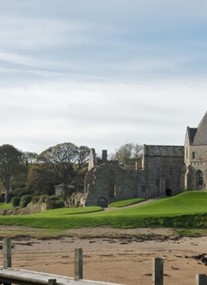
column 101, row 73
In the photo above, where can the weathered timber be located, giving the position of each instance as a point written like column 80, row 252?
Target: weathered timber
column 7, row 261
column 78, row 264
column 23, row 277
column 201, row 279
column 157, row 271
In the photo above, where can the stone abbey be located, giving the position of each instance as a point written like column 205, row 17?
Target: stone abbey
column 161, row 171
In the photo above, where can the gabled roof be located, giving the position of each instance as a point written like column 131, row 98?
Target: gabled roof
column 164, row 150
column 191, row 134
column 200, row 137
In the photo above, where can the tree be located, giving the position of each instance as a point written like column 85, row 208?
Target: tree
column 61, row 158
column 10, row 164
column 128, row 151
column 60, row 153
column 82, row 155
column 42, row 178
column 62, row 163
column 29, row 157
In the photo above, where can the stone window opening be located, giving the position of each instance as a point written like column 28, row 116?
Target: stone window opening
column 193, row 155
column 112, row 190
column 199, row 178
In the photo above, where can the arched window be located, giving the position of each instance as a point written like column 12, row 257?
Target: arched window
column 199, row 178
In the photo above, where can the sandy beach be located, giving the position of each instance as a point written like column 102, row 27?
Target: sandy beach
column 113, row 255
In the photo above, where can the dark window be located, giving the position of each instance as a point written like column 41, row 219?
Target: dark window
column 168, row 192
column 199, row 178
column 193, row 155
column 112, row 190
column 102, row 202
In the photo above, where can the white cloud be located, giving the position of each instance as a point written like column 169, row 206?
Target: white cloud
column 32, row 33
column 101, row 73
column 101, row 115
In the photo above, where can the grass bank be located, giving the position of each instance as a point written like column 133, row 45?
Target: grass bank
column 187, row 210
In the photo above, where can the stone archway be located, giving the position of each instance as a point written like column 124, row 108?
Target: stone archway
column 168, row 192
column 102, row 202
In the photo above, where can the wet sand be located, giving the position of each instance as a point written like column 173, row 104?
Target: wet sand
column 121, row 256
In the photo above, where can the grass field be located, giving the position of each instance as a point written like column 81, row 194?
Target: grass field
column 125, row 203
column 4, row 206
column 186, row 210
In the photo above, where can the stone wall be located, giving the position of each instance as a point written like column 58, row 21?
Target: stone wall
column 110, row 182
column 196, row 160
column 164, row 170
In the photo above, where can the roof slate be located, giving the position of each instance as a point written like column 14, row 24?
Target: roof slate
column 200, row 137
column 163, row 150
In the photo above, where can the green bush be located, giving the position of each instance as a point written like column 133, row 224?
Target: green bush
column 54, row 202
column 35, row 199
column 43, row 198
column 25, row 200
column 15, row 201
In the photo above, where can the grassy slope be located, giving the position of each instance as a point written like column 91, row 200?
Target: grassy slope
column 185, row 203
column 188, row 209
column 124, row 203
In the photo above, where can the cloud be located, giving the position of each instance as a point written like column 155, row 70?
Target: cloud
column 101, row 115
column 101, row 73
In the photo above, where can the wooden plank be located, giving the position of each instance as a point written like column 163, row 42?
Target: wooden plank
column 52, row 282
column 24, row 277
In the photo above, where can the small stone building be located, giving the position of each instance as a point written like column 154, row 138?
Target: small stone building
column 161, row 171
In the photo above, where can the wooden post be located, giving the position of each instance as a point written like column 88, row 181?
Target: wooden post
column 157, row 271
column 201, row 279
column 7, row 253
column 52, row 282
column 78, row 266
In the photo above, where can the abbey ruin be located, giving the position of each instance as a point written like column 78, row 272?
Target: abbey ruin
column 161, row 171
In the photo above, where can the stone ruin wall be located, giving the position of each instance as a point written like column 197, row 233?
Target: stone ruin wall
column 164, row 169
column 161, row 168
column 109, row 180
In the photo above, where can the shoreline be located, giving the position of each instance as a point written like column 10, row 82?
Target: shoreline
column 112, row 255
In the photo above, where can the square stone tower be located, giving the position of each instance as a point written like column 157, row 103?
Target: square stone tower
column 196, row 156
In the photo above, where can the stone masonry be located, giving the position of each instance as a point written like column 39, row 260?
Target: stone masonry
column 162, row 171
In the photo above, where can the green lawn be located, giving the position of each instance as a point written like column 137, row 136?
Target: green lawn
column 187, row 210
column 124, row 203
column 4, row 206
column 185, row 203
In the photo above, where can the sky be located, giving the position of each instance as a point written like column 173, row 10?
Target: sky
column 101, row 73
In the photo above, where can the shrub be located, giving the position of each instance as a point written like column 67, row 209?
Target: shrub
column 43, row 198
column 54, row 202
column 15, row 201
column 35, row 199
column 25, row 200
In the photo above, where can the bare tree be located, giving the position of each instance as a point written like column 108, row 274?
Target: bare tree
column 128, row 151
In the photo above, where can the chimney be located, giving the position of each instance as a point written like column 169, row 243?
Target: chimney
column 104, row 155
